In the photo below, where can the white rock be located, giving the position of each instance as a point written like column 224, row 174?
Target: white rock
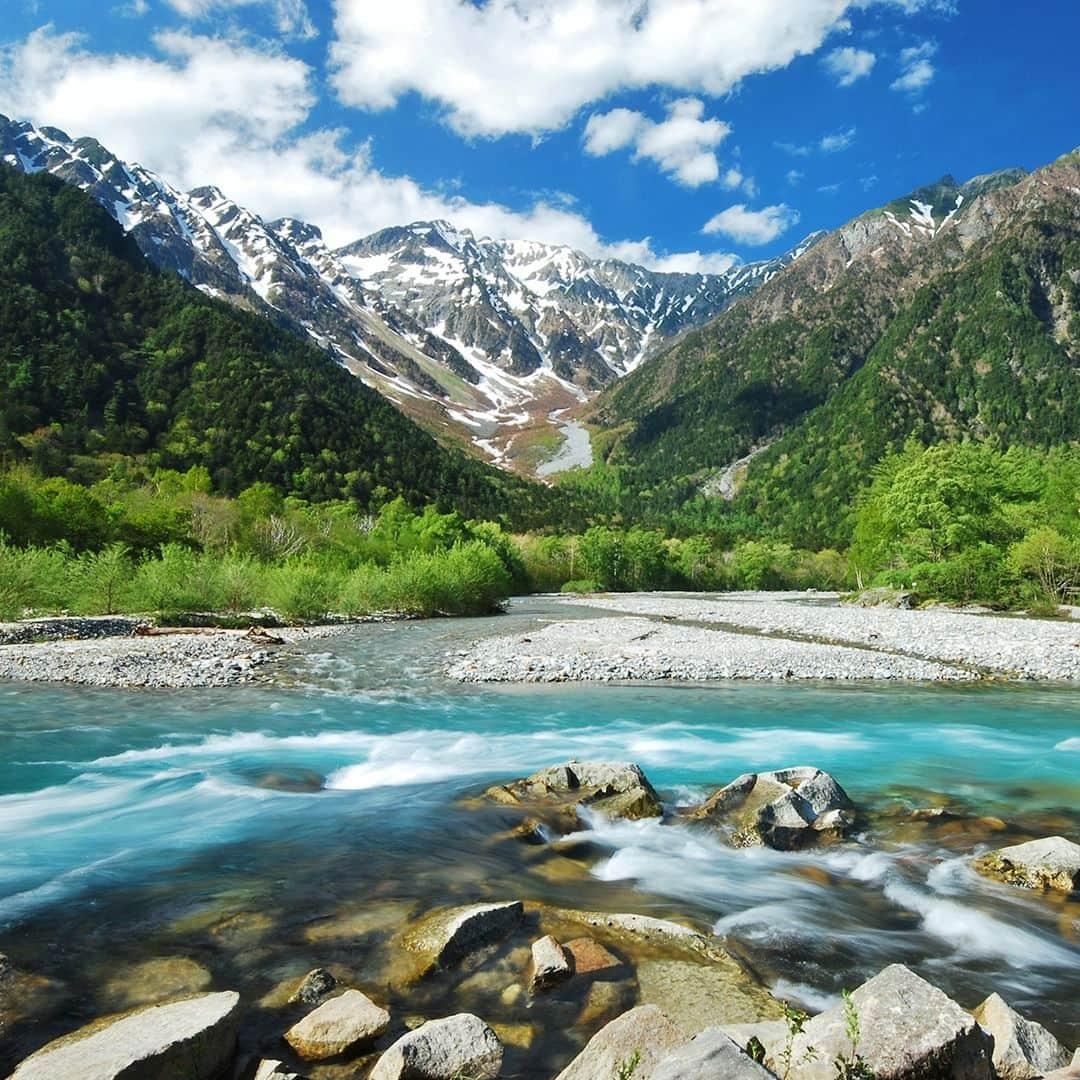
column 275, row 1070
column 644, row 1034
column 338, row 1025
column 550, row 965
column 459, row 1046
column 709, row 1056
column 1022, row 1049
column 1051, row 863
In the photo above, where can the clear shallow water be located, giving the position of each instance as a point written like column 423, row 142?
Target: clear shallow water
column 126, row 815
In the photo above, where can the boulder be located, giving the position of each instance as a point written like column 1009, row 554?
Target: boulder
column 338, row 1025
column 770, row 1035
column 459, row 1046
column 616, row 789
column 275, row 1070
column 787, row 809
column 314, row 986
column 194, row 1039
column 632, row 1045
column 710, row 1055
column 1022, row 1048
column 550, row 964
column 446, row 937
column 1053, row 863
column 908, row 1028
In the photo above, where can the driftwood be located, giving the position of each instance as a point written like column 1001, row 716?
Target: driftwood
column 256, row 633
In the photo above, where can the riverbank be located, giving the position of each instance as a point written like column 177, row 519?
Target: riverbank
column 772, row 636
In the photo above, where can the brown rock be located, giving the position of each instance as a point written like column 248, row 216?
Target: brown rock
column 341, row 1024
column 590, row 956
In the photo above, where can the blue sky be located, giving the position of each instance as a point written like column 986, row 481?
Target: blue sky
column 679, row 133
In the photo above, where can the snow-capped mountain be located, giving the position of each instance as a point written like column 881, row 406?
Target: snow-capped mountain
column 488, row 340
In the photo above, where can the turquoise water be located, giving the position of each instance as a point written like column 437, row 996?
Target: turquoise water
column 123, row 812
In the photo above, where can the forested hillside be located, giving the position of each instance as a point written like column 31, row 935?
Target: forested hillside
column 104, row 359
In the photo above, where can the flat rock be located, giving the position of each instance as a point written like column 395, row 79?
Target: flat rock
column 701, row 995
column 644, row 1035
column 909, row 1028
column 446, row 937
column 1022, row 1049
column 711, row 1055
column 459, row 1046
column 314, row 986
column 550, row 964
column 155, row 981
column 194, row 1039
column 1052, row 863
column 338, row 1025
column 787, row 809
column 588, row 957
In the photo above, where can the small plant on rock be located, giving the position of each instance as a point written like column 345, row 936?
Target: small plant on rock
column 852, row 1066
column 796, row 1022
column 624, row 1070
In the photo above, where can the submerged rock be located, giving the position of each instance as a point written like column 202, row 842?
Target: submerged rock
column 446, row 937
column 194, row 1039
column 712, row 1055
column 908, row 1028
column 786, row 809
column 550, row 964
column 588, row 957
column 155, row 981
column 1023, row 1049
column 631, row 1045
column 459, row 1046
column 616, row 789
column 337, row 1026
column 701, row 995
column 1052, row 863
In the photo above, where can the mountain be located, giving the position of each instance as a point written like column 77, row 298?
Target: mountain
column 104, row 359
column 951, row 313
column 487, row 341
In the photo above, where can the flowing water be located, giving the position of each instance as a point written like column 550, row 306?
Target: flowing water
column 261, row 831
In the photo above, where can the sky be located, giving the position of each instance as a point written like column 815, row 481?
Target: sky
column 681, row 134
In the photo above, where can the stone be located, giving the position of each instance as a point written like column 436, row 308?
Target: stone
column 771, row 1035
column 155, row 981
column 446, row 937
column 275, row 1070
column 590, row 956
column 643, row 1035
column 711, row 1055
column 604, row 1001
column 338, row 1025
column 550, row 965
column 908, row 1028
column 616, row 789
column 459, row 1046
column 703, row 995
column 194, row 1039
column 787, row 809
column 1022, row 1048
column 1052, row 863
column 314, row 986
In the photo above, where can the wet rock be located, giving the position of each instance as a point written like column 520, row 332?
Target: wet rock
column 606, row 1000
column 25, row 995
column 908, row 1029
column 296, row 781
column 550, row 965
column 709, row 1056
column 338, row 1025
column 154, row 981
column 639, row 1039
column 1022, row 1049
column 459, row 1046
column 1052, row 863
column 616, row 789
column 787, row 809
column 702, row 995
column 588, row 957
column 275, row 1070
column 195, row 1039
column 446, row 937
column 314, row 986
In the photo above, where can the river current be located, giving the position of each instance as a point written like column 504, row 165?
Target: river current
column 130, row 821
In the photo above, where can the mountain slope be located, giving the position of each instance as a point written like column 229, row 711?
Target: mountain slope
column 947, row 314
column 103, row 357
column 477, row 339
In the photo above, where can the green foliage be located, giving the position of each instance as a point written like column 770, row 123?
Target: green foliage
column 851, row 1066
column 795, row 1020
column 624, row 1070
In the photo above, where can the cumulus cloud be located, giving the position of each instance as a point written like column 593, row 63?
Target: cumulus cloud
column 917, row 70
column 222, row 111
column 746, row 226
column 848, row 65
column 506, row 66
column 683, row 145
column 291, row 16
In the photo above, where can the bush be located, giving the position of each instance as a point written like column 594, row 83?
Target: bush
column 582, row 586
column 31, row 580
column 303, row 590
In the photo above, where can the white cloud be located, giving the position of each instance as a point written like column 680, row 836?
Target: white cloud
column 794, row 176
column 829, row 189
column 683, row 145
column 507, row 66
column 210, row 110
column 694, row 262
column 734, row 179
column 848, row 65
column 291, row 15
column 746, row 226
column 839, row 140
column 917, row 70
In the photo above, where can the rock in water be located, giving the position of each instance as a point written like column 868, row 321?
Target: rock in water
column 1022, row 1049
column 446, row 937
column 338, row 1025
column 616, row 789
column 314, row 986
column 275, row 1070
column 787, row 809
column 908, row 1029
column 634, row 1043
column 194, row 1039
column 709, row 1056
column 550, row 964
column 1053, row 863
column 459, row 1046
